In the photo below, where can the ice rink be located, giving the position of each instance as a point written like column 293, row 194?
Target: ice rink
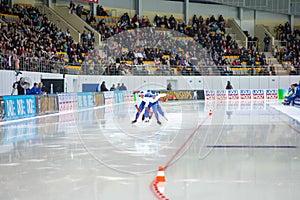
column 247, row 150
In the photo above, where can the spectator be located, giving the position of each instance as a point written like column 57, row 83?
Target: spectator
column 72, row 7
column 266, row 42
column 103, row 87
column 169, row 86
column 20, row 86
column 40, row 89
column 291, row 96
column 123, row 87
column 229, row 86
column 35, row 89
column 112, row 88
column 118, row 86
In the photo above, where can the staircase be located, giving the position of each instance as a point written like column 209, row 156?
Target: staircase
column 236, row 33
column 76, row 22
column 278, row 67
column 228, row 30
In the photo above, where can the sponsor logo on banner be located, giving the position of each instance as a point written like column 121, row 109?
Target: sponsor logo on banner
column 210, row 95
column 2, row 113
column 258, row 94
column 221, row 94
column 128, row 97
column 67, row 101
column 180, row 95
column 17, row 107
column 99, row 99
column 109, row 97
column 245, row 94
column 119, row 96
column 85, row 100
column 272, row 94
column 232, row 94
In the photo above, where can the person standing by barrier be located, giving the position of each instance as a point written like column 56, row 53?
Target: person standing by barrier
column 19, row 86
column 113, row 88
column 229, row 86
column 35, row 89
column 123, row 87
column 103, row 87
column 169, row 86
column 40, row 89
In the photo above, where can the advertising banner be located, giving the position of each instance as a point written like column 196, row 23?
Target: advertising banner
column 119, row 96
column 67, row 102
column 85, row 100
column 2, row 112
column 49, row 104
column 271, row 94
column 109, row 97
column 221, row 95
column 209, row 94
column 99, row 99
column 17, row 107
column 46, row 104
column 232, row 94
column 245, row 94
column 182, row 95
column 128, row 97
column 282, row 93
column 38, row 105
column 258, row 94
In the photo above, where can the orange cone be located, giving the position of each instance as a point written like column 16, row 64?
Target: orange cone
column 160, row 175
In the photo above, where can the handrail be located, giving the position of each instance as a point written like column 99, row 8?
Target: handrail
column 239, row 32
column 27, row 63
column 61, row 22
column 260, row 31
column 76, row 21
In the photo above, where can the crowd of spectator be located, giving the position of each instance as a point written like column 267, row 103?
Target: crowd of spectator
column 33, row 38
column 34, row 42
column 290, row 54
column 216, row 47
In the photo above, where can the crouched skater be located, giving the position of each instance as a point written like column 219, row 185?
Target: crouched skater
column 142, row 104
column 156, row 108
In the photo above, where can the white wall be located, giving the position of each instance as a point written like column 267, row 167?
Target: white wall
column 193, row 82
column 212, row 9
column 154, row 82
column 7, row 78
column 73, row 83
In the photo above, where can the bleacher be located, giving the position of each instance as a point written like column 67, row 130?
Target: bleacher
column 9, row 18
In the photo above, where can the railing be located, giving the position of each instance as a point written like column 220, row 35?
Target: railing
column 164, row 70
column 12, row 62
column 34, row 64
column 239, row 32
column 260, row 32
column 59, row 21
